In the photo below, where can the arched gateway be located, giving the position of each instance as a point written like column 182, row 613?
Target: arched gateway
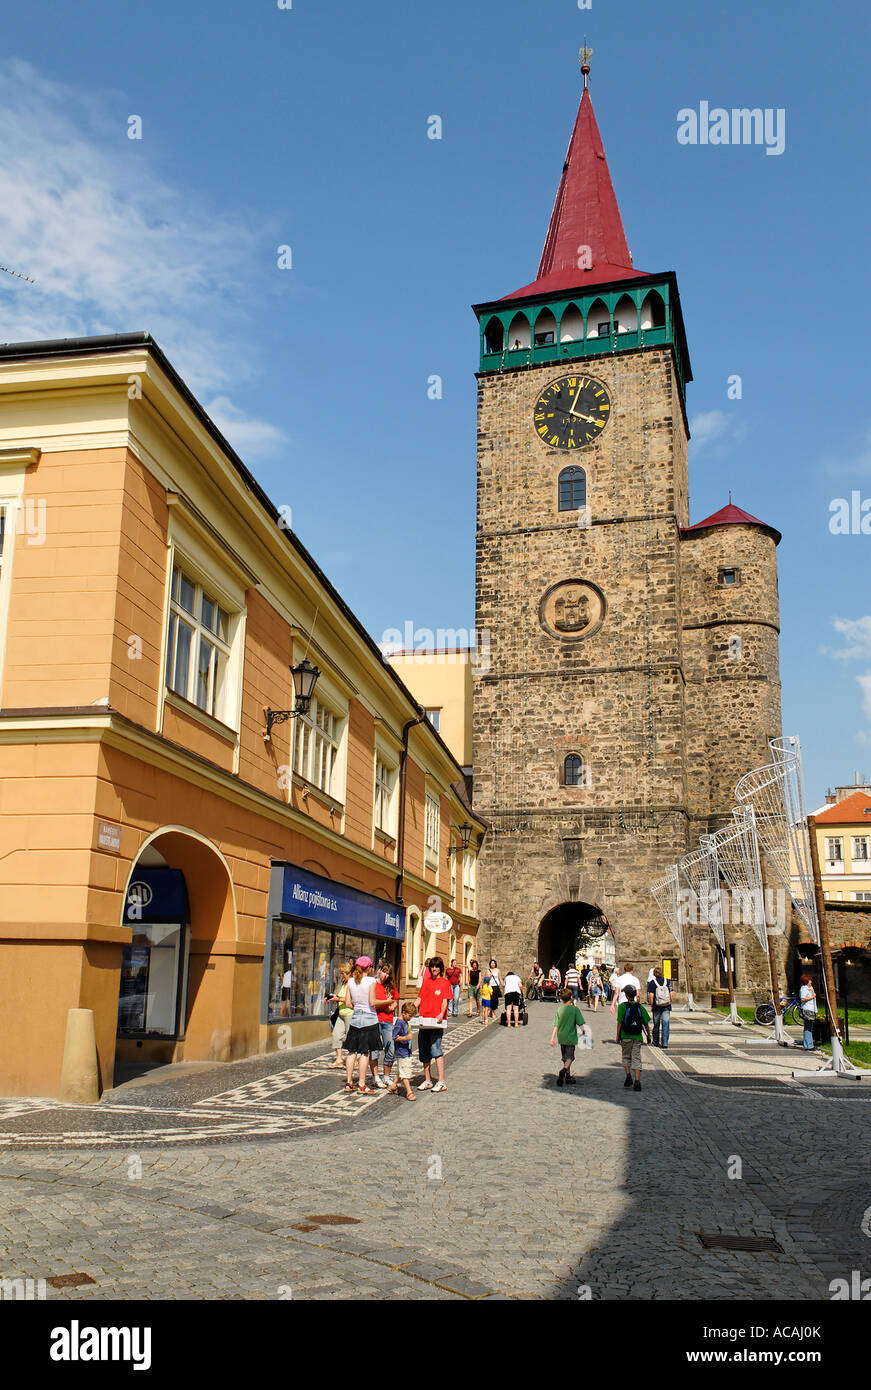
column 567, row 929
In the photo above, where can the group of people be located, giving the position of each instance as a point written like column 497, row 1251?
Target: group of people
column 588, row 983
column 633, row 1020
column 371, row 1024
column 487, row 987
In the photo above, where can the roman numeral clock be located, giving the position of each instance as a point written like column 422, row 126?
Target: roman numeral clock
column 571, row 412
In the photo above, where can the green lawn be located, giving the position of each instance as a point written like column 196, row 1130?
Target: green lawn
column 744, row 1011
column 858, row 1052
column 857, row 1016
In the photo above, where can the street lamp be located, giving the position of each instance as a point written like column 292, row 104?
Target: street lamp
column 466, row 833
column 305, row 677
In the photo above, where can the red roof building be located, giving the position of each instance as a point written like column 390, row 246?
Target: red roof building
column 731, row 515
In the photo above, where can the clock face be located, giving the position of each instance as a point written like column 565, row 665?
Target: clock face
column 571, row 412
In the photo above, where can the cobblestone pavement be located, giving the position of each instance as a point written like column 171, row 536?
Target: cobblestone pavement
column 504, row 1186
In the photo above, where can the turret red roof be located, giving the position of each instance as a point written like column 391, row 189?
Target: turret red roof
column 585, row 214
column 731, row 515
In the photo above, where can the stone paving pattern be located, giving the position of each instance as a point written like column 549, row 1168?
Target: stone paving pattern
column 546, row 1193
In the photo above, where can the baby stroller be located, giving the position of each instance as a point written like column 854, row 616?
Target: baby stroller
column 522, row 1015
column 549, row 990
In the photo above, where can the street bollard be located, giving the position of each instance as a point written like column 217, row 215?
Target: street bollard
column 80, row 1077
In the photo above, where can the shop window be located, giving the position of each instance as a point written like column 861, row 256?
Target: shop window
column 572, row 489
column 152, row 977
column 198, row 645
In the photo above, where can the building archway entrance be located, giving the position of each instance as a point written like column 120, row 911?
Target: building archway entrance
column 566, row 930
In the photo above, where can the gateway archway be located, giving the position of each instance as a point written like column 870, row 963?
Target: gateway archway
column 564, row 931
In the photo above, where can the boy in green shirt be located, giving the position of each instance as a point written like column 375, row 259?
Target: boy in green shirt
column 567, row 1019
column 632, row 1020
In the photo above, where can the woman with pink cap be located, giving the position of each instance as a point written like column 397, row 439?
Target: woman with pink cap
column 364, row 1034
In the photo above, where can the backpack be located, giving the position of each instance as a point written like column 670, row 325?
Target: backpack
column 632, row 1019
column 662, row 993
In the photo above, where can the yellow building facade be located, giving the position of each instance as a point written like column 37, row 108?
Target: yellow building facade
column 844, row 845
column 162, row 862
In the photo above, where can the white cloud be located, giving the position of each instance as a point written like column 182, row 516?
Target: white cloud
column 247, row 435
column 865, row 686
column 863, row 737
column 707, row 426
column 857, row 635
column 113, row 246
column 715, row 430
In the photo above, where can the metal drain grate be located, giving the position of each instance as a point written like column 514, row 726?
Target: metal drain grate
column 69, row 1281
column 334, row 1220
column 754, row 1244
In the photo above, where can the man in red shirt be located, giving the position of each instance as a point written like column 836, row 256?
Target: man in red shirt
column 454, row 975
column 432, row 1006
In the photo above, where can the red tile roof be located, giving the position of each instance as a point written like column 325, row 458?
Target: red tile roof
column 850, row 811
column 585, row 214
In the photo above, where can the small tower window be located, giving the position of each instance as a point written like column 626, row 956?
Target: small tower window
column 572, row 489
column 729, row 576
column 573, row 771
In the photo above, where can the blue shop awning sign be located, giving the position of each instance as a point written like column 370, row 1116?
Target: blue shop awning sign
column 156, row 895
column 318, row 899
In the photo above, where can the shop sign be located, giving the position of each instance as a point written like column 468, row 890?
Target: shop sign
column 318, row 899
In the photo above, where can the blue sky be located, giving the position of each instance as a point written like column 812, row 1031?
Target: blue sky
column 307, row 127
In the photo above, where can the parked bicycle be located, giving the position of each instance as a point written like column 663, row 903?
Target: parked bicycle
column 790, row 1007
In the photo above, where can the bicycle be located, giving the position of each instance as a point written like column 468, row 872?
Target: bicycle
column 790, row 1007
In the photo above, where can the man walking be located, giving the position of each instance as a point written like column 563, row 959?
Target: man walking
column 632, row 1020
column 619, row 984
column 573, row 981
column 659, row 998
column 454, row 976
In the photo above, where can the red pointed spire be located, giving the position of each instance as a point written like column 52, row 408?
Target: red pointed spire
column 585, row 214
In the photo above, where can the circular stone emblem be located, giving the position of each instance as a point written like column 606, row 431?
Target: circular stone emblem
column 572, row 609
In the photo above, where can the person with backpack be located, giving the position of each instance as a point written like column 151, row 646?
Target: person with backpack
column 659, row 998
column 632, row 1020
column 566, row 1021
column 808, row 1004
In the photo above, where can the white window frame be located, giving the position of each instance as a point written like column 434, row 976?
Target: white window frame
column 385, row 794
column 317, row 739
column 857, row 856
column 432, row 829
column 14, row 463
column 201, row 554
column 220, row 644
column 413, row 943
column 831, row 842
column 437, row 711
column 470, row 880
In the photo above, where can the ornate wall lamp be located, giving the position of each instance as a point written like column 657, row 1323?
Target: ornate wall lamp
column 466, row 833
column 305, row 677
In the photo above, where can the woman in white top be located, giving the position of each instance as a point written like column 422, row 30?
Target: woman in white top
column 513, row 996
column 808, row 1002
column 364, row 1035
column 597, row 989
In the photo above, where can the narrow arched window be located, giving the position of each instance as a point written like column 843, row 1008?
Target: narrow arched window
column 573, row 770
column 572, row 489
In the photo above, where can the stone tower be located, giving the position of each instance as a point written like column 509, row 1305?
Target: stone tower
column 616, row 712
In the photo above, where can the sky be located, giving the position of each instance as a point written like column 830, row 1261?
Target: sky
column 306, row 128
